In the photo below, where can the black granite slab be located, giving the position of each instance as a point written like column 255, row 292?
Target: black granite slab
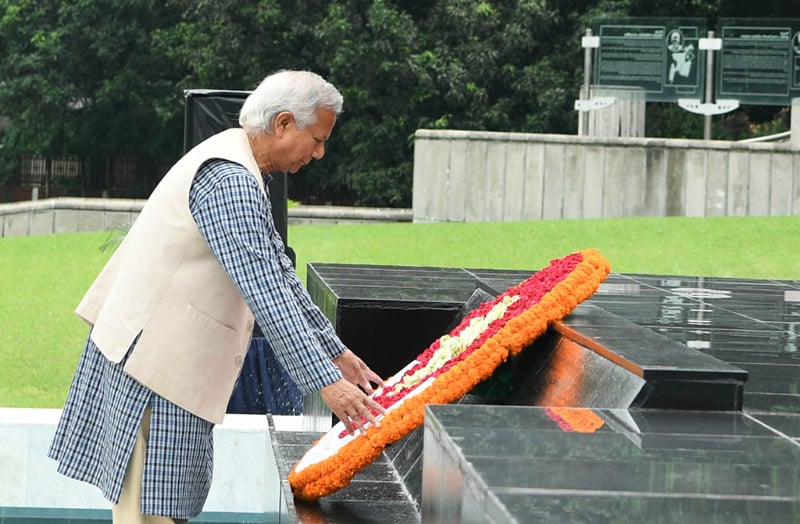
column 787, row 424
column 377, row 494
column 751, row 324
column 559, row 371
column 388, row 315
column 390, row 332
column 677, row 377
column 510, row 464
column 405, row 458
column 642, row 351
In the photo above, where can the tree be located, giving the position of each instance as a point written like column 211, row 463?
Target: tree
column 74, row 90
column 367, row 45
column 84, row 79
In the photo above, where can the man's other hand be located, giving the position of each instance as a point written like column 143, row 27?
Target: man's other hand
column 355, row 371
column 351, row 405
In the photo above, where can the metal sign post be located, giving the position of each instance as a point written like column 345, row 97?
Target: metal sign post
column 710, row 45
column 586, row 103
column 708, row 107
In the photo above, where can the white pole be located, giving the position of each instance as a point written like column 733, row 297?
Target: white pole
column 583, row 116
column 709, row 87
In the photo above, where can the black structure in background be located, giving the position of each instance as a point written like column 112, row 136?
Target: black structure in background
column 208, row 112
column 263, row 386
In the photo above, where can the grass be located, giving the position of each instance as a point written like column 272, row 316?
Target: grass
column 739, row 247
column 43, row 278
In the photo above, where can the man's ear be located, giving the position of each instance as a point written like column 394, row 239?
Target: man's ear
column 282, row 121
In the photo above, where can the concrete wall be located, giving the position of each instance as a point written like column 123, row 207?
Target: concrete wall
column 245, row 479
column 74, row 215
column 66, row 215
column 466, row 176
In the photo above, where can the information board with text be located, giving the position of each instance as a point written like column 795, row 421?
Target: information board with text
column 655, row 56
column 759, row 62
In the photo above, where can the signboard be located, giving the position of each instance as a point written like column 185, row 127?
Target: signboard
column 759, row 62
column 658, row 57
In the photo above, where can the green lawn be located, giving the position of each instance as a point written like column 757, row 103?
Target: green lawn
column 43, row 278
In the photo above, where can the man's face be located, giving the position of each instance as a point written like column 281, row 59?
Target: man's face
column 295, row 147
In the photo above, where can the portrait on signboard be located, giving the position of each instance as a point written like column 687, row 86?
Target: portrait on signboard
column 796, row 69
column 682, row 55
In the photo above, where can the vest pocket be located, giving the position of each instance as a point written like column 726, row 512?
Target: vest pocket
column 189, row 358
column 201, row 319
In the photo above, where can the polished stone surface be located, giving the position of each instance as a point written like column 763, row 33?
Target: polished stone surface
column 677, row 377
column 650, row 341
column 376, row 495
column 750, row 324
column 753, row 325
column 389, row 314
column 513, row 464
column 558, row 371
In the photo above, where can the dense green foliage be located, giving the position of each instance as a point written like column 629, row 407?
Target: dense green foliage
column 97, row 79
column 44, row 277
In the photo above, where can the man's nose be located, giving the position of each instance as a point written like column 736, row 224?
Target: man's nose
column 319, row 151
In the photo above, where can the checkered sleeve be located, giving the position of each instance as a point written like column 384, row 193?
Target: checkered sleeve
column 323, row 329
column 234, row 217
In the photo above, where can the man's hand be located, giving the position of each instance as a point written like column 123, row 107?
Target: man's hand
column 351, row 405
column 355, row 371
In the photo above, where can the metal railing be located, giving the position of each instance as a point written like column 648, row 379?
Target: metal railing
column 768, row 138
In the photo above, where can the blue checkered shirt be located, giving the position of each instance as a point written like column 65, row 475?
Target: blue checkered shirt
column 95, row 436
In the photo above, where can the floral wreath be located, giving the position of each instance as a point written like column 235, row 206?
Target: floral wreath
column 450, row 367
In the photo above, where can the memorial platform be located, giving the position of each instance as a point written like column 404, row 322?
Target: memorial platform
column 692, row 383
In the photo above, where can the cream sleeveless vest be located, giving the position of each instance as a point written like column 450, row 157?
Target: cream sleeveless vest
column 165, row 283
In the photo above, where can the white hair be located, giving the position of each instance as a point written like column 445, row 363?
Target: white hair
column 299, row 92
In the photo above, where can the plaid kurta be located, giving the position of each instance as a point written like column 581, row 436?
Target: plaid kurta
column 95, row 436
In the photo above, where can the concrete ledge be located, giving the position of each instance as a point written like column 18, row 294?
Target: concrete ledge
column 245, row 472
column 344, row 214
column 673, row 143
column 77, row 215
column 96, row 204
column 66, row 215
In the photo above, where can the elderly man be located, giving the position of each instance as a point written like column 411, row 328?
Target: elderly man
column 172, row 312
